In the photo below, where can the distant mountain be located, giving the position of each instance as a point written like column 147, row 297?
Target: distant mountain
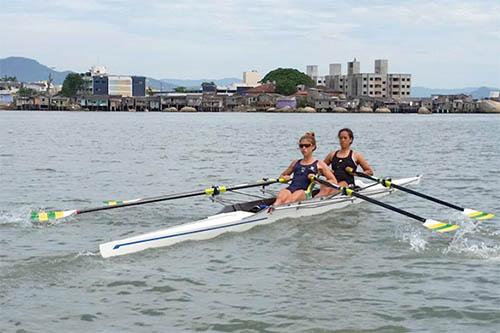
column 29, row 70
column 171, row 84
column 160, row 85
column 475, row 92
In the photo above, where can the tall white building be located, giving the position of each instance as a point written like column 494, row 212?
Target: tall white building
column 251, row 79
column 380, row 83
column 312, row 72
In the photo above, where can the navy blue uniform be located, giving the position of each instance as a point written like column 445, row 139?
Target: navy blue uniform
column 301, row 174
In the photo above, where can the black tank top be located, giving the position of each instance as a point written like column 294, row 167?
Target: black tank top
column 338, row 167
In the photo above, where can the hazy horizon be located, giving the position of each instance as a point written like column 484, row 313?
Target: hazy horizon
column 442, row 44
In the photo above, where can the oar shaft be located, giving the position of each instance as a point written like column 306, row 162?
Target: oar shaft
column 140, row 202
column 425, row 196
column 209, row 191
column 395, row 209
column 351, row 192
column 388, row 183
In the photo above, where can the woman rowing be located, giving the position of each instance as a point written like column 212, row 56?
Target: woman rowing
column 345, row 157
column 301, row 186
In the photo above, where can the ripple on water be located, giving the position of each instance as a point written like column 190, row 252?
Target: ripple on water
column 356, row 270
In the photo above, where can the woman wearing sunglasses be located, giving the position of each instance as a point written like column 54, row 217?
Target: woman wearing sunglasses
column 301, row 186
column 345, row 157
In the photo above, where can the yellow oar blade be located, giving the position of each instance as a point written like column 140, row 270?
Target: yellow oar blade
column 477, row 215
column 43, row 216
column 440, row 227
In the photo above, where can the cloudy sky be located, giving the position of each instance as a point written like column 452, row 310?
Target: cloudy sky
column 443, row 44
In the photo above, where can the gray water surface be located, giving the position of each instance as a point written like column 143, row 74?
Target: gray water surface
column 362, row 269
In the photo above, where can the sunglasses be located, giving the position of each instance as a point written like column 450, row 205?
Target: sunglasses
column 304, row 145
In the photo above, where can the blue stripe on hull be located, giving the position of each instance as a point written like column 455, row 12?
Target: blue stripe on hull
column 117, row 246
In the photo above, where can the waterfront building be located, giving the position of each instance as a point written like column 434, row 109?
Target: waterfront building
column 212, row 103
column 138, row 86
column 100, row 85
column 120, row 85
column 286, row 102
column 354, row 84
column 6, row 97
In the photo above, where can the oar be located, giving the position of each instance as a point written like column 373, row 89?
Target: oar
column 428, row 223
column 474, row 214
column 43, row 216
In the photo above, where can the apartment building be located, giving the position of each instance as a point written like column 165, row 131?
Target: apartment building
column 354, row 84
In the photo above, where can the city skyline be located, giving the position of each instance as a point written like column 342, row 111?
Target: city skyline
column 443, row 44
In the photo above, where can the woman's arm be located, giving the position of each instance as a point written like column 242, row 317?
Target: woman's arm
column 360, row 160
column 288, row 171
column 327, row 172
column 328, row 159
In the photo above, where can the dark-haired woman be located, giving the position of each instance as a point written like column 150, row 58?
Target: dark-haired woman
column 301, row 187
column 345, row 157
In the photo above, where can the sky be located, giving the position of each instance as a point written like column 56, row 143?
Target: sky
column 443, row 44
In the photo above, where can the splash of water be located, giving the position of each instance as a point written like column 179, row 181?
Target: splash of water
column 473, row 240
column 411, row 234
column 17, row 216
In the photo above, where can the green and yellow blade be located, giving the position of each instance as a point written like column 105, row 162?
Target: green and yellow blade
column 440, row 227
column 44, row 216
column 477, row 215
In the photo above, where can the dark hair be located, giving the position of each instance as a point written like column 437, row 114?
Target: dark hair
column 349, row 132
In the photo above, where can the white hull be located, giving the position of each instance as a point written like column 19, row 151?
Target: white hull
column 239, row 221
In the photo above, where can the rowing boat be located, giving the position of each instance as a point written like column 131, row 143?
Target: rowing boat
column 243, row 216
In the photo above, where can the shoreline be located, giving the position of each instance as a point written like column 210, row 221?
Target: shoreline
column 245, row 112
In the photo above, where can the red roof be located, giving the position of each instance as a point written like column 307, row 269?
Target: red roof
column 265, row 88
